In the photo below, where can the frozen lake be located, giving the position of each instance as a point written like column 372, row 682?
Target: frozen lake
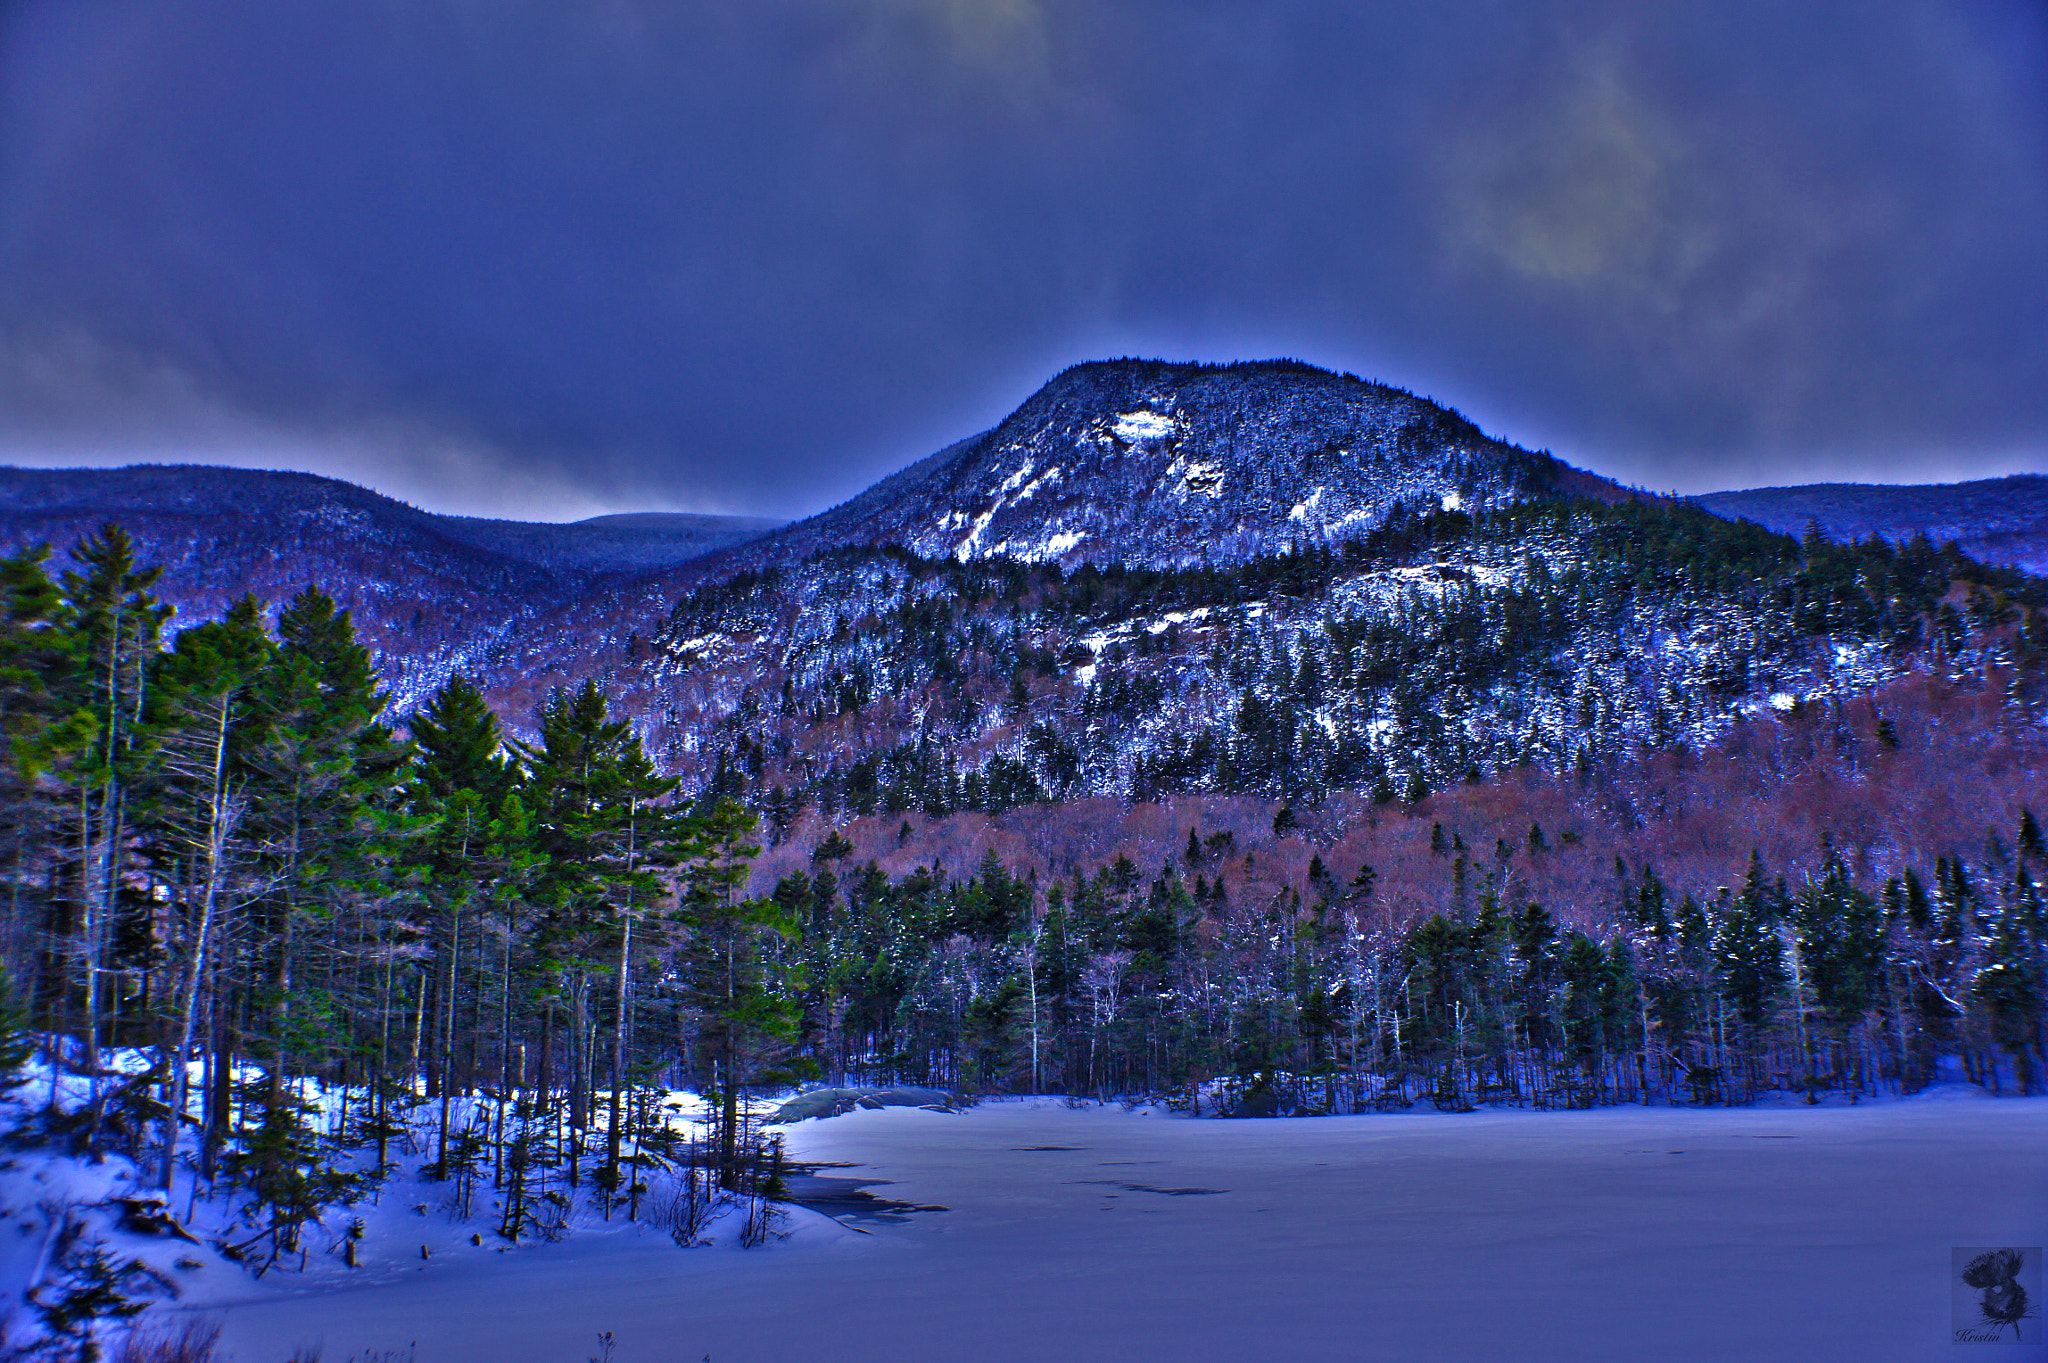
column 1771, row 1233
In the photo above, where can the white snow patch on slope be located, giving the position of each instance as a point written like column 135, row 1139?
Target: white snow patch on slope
column 1051, row 475
column 1052, row 546
column 966, row 547
column 1384, row 590
column 1363, row 513
column 1101, row 639
column 1010, row 492
column 1303, row 509
column 1038, row 550
column 703, row 643
column 1135, row 428
column 1160, row 625
column 1453, row 501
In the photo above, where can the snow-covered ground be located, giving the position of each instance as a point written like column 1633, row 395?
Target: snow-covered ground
column 1766, row 1233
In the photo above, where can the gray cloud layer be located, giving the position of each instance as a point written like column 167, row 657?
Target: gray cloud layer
column 558, row 256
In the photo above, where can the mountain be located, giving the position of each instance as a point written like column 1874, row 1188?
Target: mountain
column 1132, row 463
column 1150, row 581
column 1995, row 520
column 1127, row 462
column 430, row 593
column 1440, row 647
column 1164, row 465
column 1159, row 580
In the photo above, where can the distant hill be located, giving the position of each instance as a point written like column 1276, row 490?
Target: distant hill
column 635, row 541
column 430, row 593
column 1995, row 520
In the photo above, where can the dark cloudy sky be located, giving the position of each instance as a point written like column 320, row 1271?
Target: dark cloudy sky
column 552, row 257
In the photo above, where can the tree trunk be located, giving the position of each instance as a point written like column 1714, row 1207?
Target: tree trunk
column 614, row 1136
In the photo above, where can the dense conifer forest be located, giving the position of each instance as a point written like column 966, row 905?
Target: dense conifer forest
column 1440, row 646
column 236, row 878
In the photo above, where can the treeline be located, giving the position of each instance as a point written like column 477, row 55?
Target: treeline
column 225, row 871
column 1315, row 1000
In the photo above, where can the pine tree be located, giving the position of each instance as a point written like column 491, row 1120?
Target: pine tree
column 1839, row 935
column 738, row 982
column 2032, row 844
column 322, row 770
column 594, row 797
column 461, row 745
column 1749, row 955
column 38, row 732
column 198, row 722
column 114, row 623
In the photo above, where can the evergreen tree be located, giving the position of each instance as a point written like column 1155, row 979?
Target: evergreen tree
column 1839, row 937
column 461, row 745
column 199, row 726
column 738, row 980
column 320, row 771
column 1749, row 955
column 114, row 623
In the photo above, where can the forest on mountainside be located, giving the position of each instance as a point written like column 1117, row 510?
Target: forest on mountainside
column 1439, row 647
column 235, row 878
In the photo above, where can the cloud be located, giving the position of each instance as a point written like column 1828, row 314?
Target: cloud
column 1758, row 246
column 978, row 47
column 76, row 401
column 1575, row 189
column 985, row 30
column 752, row 256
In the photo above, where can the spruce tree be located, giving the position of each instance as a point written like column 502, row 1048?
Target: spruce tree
column 114, row 622
column 323, row 774
column 198, row 723
column 738, row 981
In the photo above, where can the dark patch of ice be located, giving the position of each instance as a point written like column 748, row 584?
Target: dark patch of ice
column 848, row 1199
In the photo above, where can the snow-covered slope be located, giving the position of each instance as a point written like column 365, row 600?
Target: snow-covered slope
column 87, row 1238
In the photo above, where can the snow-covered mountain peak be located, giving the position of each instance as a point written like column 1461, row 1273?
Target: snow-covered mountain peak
column 1146, row 462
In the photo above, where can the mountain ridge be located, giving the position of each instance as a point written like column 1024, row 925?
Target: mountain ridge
column 430, row 594
column 1201, row 476
column 1995, row 520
